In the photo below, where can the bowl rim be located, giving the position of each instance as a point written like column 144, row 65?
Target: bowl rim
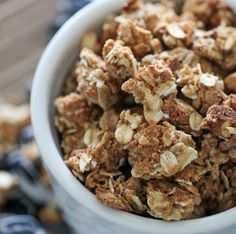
column 40, row 108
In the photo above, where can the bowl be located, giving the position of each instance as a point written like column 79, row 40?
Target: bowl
column 80, row 207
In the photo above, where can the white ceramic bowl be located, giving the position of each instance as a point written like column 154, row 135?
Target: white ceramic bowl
column 81, row 209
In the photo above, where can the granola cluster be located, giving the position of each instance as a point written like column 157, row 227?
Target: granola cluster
column 148, row 116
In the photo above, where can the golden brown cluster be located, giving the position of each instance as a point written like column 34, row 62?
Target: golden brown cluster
column 148, row 116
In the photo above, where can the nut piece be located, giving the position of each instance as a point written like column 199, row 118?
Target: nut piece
column 120, row 62
column 137, row 38
column 158, row 151
column 152, row 84
column 94, row 82
column 169, row 201
column 218, row 45
column 202, row 88
column 221, row 121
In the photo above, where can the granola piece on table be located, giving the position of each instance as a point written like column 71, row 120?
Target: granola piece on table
column 120, row 61
column 12, row 120
column 203, row 89
column 218, row 45
column 94, row 82
column 159, row 151
column 150, row 86
column 212, row 12
column 170, row 201
column 128, row 195
column 221, row 121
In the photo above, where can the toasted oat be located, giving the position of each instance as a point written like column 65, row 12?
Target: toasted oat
column 221, row 121
column 203, row 89
column 176, row 31
column 127, row 124
column 218, row 45
column 151, row 85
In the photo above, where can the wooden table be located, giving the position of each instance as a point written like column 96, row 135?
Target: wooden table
column 24, row 32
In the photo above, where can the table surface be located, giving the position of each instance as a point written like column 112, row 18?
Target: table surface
column 24, row 32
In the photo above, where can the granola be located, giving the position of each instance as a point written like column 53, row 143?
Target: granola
column 94, row 82
column 147, row 118
column 152, row 84
column 221, row 121
column 212, row 12
column 203, row 89
column 218, row 45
